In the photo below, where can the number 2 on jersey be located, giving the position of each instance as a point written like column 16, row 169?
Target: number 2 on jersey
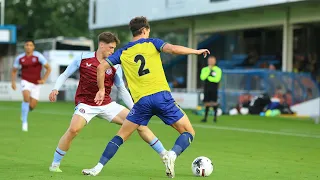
column 141, row 71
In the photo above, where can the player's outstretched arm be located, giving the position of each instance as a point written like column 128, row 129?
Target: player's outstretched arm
column 73, row 67
column 103, row 66
column 181, row 50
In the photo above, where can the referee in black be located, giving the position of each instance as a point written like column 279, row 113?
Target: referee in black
column 211, row 75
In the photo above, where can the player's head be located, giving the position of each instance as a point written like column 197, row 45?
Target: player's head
column 139, row 26
column 107, row 43
column 29, row 46
column 211, row 60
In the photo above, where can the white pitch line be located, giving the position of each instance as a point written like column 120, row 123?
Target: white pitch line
column 227, row 128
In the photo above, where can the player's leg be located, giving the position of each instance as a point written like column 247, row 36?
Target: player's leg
column 207, row 108
column 25, row 109
column 34, row 96
column 112, row 147
column 215, row 106
column 206, row 105
column 33, row 103
column 140, row 114
column 171, row 114
column 147, row 135
column 79, row 120
column 117, row 113
column 187, row 133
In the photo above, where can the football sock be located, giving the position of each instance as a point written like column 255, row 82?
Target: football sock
column 157, row 146
column 215, row 108
column 58, row 155
column 24, row 111
column 98, row 167
column 206, row 113
column 183, row 141
column 111, row 149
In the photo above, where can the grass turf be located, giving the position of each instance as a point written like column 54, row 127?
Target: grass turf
column 241, row 147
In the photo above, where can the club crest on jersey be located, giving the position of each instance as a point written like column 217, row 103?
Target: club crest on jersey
column 22, row 60
column 34, row 59
column 109, row 71
column 82, row 110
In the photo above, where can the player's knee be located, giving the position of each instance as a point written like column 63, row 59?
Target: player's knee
column 142, row 129
column 32, row 106
column 73, row 130
column 26, row 99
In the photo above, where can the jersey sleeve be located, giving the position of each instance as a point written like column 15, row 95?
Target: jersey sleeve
column 205, row 72
column 16, row 62
column 115, row 58
column 118, row 79
column 42, row 59
column 73, row 67
column 158, row 43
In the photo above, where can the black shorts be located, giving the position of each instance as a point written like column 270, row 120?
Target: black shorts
column 210, row 96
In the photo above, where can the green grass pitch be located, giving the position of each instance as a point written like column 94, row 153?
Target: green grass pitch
column 241, row 147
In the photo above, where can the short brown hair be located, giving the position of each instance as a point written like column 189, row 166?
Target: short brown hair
column 137, row 24
column 108, row 37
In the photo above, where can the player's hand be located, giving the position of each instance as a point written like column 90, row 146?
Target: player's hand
column 13, row 85
column 41, row 81
column 99, row 97
column 205, row 52
column 53, row 95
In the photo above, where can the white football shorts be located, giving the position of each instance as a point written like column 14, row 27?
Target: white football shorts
column 107, row 112
column 33, row 88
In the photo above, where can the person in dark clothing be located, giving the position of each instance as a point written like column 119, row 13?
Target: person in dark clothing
column 258, row 103
column 211, row 75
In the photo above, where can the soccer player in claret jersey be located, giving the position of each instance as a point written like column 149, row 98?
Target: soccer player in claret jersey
column 149, row 88
column 31, row 63
column 86, row 108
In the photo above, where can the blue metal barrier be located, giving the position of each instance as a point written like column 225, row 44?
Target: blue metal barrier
column 235, row 83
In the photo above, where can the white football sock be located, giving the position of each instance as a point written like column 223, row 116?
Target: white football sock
column 98, row 167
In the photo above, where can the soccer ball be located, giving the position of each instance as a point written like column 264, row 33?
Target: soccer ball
column 202, row 166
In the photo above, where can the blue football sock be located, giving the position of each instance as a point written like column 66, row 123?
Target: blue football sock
column 111, row 149
column 157, row 145
column 24, row 111
column 58, row 155
column 183, row 141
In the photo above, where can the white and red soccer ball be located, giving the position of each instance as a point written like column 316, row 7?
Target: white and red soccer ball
column 202, row 166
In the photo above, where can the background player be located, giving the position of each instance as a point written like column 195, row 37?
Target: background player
column 31, row 63
column 211, row 75
column 143, row 69
column 86, row 108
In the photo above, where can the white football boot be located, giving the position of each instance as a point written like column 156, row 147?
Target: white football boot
column 169, row 160
column 25, row 127
column 90, row 172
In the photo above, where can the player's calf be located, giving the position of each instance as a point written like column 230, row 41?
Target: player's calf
column 184, row 127
column 77, row 123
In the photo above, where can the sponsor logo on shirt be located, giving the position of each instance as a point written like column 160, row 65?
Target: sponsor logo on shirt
column 88, row 65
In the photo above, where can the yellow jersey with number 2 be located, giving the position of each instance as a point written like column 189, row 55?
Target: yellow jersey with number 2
column 142, row 66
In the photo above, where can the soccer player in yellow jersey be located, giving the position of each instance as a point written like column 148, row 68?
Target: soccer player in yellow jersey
column 142, row 66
